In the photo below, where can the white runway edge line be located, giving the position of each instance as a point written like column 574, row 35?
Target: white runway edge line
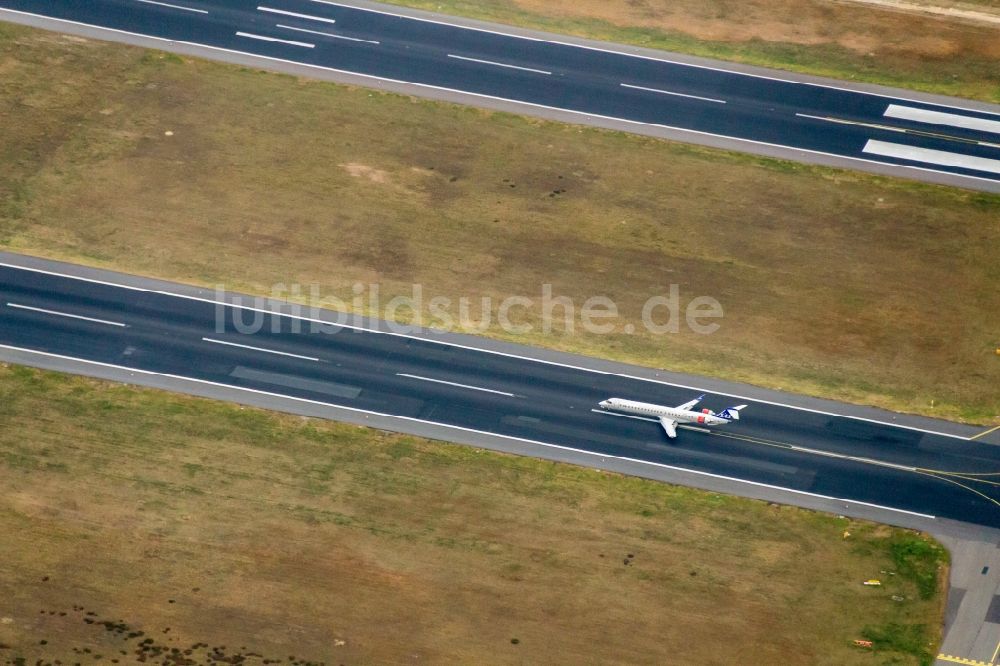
column 499, row 64
column 260, row 349
column 585, row 114
column 426, row 20
column 167, row 4
column 262, row 38
column 670, row 92
column 327, row 34
column 846, row 502
column 481, row 350
column 466, row 386
column 931, row 156
column 427, row 86
column 65, row 314
column 941, row 118
column 284, row 12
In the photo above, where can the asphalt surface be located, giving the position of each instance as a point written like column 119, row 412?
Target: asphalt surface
column 416, row 380
column 770, row 112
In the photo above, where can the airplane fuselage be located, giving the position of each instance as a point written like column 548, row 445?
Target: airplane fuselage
column 704, row 417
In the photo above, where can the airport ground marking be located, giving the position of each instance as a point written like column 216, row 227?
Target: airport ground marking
column 57, row 313
column 167, row 4
column 986, row 432
column 671, row 92
column 261, row 349
column 937, row 474
column 327, row 34
column 900, row 130
column 963, row 660
column 466, row 386
column 930, row 117
column 265, row 38
column 960, row 485
column 285, row 12
column 445, row 343
column 640, row 56
column 595, row 454
column 500, row 64
column 428, row 86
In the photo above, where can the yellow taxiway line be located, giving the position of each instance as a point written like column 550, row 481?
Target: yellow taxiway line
column 984, row 433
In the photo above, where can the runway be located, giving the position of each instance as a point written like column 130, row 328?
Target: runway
column 412, row 380
column 769, row 112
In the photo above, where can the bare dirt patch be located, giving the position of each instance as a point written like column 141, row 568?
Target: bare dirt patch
column 364, row 171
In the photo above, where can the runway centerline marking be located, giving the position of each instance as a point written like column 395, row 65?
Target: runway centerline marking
column 942, row 118
column 900, row 130
column 500, row 64
column 66, row 314
column 671, row 92
column 327, row 34
column 595, row 454
column 447, row 343
column 307, row 17
column 963, row 660
column 466, row 386
column 628, row 54
column 167, row 4
column 263, row 38
column 260, row 349
column 428, row 86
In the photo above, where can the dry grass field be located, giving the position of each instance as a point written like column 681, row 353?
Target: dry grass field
column 867, row 41
column 144, row 526
column 833, row 283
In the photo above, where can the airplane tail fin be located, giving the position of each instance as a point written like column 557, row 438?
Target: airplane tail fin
column 731, row 413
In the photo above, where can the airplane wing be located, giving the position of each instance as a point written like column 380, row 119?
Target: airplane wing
column 688, row 405
column 670, row 426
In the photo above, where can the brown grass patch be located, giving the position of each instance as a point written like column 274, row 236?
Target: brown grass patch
column 903, row 44
column 136, row 523
column 833, row 283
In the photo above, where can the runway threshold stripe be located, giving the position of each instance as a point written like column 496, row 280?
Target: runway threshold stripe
column 65, row 314
column 499, row 64
column 260, row 349
column 264, row 38
column 931, row 156
column 466, row 386
column 167, row 4
column 942, row 118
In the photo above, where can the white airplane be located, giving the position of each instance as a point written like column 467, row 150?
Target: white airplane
column 669, row 417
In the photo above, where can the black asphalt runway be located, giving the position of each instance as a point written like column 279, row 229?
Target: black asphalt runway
column 706, row 102
column 835, row 456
